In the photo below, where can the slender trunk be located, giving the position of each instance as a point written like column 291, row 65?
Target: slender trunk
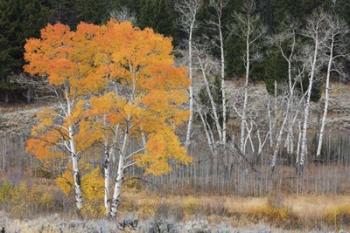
column 211, row 99
column 287, row 117
column 120, row 176
column 307, row 107
column 325, row 111
column 244, row 112
column 280, row 134
column 299, row 142
column 223, row 86
column 76, row 172
column 74, row 157
column 206, row 130
column 270, row 122
column 106, row 168
column 189, row 126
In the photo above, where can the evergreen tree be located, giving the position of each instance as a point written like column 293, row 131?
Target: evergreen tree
column 9, row 45
column 159, row 15
column 63, row 11
column 19, row 19
column 92, row 11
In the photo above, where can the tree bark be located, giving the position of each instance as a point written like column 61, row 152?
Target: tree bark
column 76, row 173
column 244, row 111
column 307, row 106
column 325, row 110
column 119, row 179
column 211, row 99
column 106, row 168
column 190, row 120
column 223, row 86
column 74, row 158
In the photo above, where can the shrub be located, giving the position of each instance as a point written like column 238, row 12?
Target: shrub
column 191, row 205
column 279, row 216
column 165, row 210
column 28, row 199
column 338, row 215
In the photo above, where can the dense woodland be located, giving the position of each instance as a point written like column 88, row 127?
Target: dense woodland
column 216, row 97
column 20, row 20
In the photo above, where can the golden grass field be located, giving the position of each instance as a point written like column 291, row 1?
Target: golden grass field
column 289, row 212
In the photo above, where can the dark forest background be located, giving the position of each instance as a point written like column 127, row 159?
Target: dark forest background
column 21, row 19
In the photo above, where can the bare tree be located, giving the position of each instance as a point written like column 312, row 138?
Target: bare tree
column 289, row 37
column 219, row 6
column 205, row 65
column 248, row 27
column 188, row 10
column 334, row 46
column 123, row 14
column 314, row 31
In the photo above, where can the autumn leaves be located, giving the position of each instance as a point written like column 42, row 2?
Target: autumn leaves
column 118, row 88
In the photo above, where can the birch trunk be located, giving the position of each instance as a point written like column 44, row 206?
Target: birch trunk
column 211, row 99
column 289, row 102
column 307, row 105
column 74, row 157
column 325, row 111
column 106, row 168
column 298, row 145
column 76, row 174
column 244, row 111
column 206, row 130
column 119, row 179
column 223, row 86
column 190, row 120
column 279, row 138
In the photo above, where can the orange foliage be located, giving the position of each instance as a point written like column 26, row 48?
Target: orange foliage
column 81, row 63
column 153, row 92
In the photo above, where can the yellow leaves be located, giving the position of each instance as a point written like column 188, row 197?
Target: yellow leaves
column 104, row 104
column 64, row 55
column 93, row 185
column 92, row 182
column 76, row 115
column 46, row 118
column 162, row 147
column 89, row 133
column 65, row 181
column 44, row 146
column 56, row 33
column 151, row 97
column 132, row 110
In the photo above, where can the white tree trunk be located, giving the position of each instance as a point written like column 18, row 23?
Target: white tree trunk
column 190, row 120
column 269, row 115
column 289, row 103
column 325, row 110
column 244, row 111
column 223, row 86
column 106, row 168
column 211, row 99
column 307, row 106
column 298, row 145
column 120, row 176
column 74, row 157
column 206, row 130
column 279, row 138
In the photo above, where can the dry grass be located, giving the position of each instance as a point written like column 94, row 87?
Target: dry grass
column 293, row 212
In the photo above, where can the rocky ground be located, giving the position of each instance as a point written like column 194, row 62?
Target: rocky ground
column 57, row 224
